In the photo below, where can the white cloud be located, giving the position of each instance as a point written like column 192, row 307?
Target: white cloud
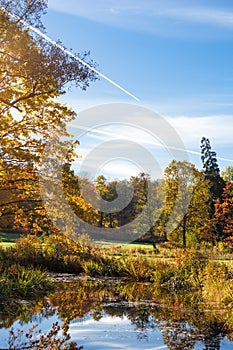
column 153, row 16
column 204, row 15
column 217, row 127
column 190, row 129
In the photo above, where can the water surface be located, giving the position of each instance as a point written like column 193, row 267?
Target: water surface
column 111, row 314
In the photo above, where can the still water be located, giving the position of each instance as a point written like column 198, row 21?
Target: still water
column 112, row 314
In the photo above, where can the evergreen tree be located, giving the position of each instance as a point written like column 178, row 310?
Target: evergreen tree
column 216, row 183
column 211, row 169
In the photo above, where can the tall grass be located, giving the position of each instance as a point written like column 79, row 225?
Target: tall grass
column 218, row 283
column 189, row 270
column 18, row 281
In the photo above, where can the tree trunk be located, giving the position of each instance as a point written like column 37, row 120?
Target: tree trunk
column 184, row 232
column 101, row 219
column 110, row 220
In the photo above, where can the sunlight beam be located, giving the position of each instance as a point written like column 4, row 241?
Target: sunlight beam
column 53, row 42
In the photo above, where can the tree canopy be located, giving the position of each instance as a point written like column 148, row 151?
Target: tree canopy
column 33, row 74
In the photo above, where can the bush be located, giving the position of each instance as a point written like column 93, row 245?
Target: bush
column 92, row 268
column 28, row 247
column 163, row 272
column 136, row 268
column 5, row 288
column 58, row 246
column 28, row 281
column 58, row 253
column 218, row 283
column 183, row 274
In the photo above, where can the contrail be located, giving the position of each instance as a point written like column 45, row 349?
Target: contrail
column 199, row 153
column 101, row 133
column 46, row 37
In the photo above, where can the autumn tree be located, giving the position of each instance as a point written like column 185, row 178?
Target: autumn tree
column 227, row 174
column 224, row 211
column 34, row 73
column 185, row 206
column 149, row 205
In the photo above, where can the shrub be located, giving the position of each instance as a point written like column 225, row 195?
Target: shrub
column 92, row 268
column 58, row 246
column 218, row 277
column 162, row 273
column 57, row 254
column 137, row 268
column 28, row 247
column 5, row 288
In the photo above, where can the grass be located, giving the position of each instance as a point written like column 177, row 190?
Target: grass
column 122, row 249
column 125, row 245
column 9, row 237
column 19, row 281
column 181, row 270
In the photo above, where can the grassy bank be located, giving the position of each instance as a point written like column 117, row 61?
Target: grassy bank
column 175, row 273
column 188, row 270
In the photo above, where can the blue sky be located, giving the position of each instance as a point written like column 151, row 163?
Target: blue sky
column 175, row 56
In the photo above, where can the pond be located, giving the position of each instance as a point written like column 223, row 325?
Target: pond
column 113, row 314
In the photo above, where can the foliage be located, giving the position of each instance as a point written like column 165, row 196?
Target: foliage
column 227, row 174
column 92, row 268
column 218, row 277
column 27, row 281
column 223, row 214
column 137, row 268
column 185, row 273
column 216, row 185
column 20, row 281
column 57, row 338
column 185, row 208
column 60, row 245
column 58, row 253
column 33, row 74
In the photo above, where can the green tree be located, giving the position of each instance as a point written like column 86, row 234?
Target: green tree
column 185, row 206
column 216, row 184
column 101, row 187
column 211, row 169
column 148, row 226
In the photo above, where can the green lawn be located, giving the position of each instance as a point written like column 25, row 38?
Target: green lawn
column 8, row 237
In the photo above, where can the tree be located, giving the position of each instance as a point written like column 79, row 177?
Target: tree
column 102, row 190
column 227, row 174
column 33, row 74
column 224, row 211
column 185, row 206
column 211, row 169
column 149, row 204
column 216, row 184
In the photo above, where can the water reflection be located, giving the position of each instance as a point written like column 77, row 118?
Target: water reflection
column 155, row 318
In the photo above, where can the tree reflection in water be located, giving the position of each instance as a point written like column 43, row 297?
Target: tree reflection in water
column 183, row 320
